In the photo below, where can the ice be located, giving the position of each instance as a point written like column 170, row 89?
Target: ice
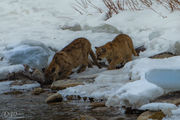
column 165, row 78
column 33, row 53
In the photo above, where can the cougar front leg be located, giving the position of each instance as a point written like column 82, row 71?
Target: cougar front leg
column 113, row 64
column 82, row 68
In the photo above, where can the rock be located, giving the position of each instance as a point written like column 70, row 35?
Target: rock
column 85, row 117
column 151, row 115
column 21, row 82
column 100, row 109
column 97, row 104
column 140, row 49
column 38, row 76
column 37, row 91
column 162, row 55
column 54, row 98
column 13, row 93
column 63, row 84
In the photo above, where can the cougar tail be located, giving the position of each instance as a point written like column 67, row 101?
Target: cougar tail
column 94, row 58
column 130, row 43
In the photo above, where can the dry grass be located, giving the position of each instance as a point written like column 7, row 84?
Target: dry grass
column 114, row 7
column 81, row 6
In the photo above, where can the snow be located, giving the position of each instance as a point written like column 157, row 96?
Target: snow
column 24, row 21
column 175, row 115
column 5, row 70
column 6, row 86
column 158, row 106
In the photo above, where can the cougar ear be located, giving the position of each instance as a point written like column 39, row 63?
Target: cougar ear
column 96, row 47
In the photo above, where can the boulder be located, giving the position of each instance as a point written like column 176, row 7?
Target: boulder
column 54, row 98
column 151, row 115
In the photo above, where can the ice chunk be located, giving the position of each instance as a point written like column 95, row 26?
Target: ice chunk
column 165, row 78
column 134, row 94
column 32, row 53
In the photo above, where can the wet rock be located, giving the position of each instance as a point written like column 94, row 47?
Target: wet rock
column 27, row 74
column 63, row 84
column 130, row 110
column 21, row 82
column 100, row 109
column 38, row 76
column 85, row 117
column 97, row 104
column 151, row 115
column 163, row 55
column 140, row 49
column 13, row 93
column 54, row 98
column 37, row 91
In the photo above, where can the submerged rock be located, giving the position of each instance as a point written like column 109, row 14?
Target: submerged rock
column 13, row 92
column 54, row 98
column 84, row 117
column 37, row 91
column 63, row 84
column 97, row 104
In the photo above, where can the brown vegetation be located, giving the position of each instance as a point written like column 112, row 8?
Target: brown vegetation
column 114, row 7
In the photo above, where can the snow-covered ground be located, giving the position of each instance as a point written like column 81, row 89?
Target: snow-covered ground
column 31, row 33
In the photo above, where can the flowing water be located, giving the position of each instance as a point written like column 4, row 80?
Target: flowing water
column 26, row 106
